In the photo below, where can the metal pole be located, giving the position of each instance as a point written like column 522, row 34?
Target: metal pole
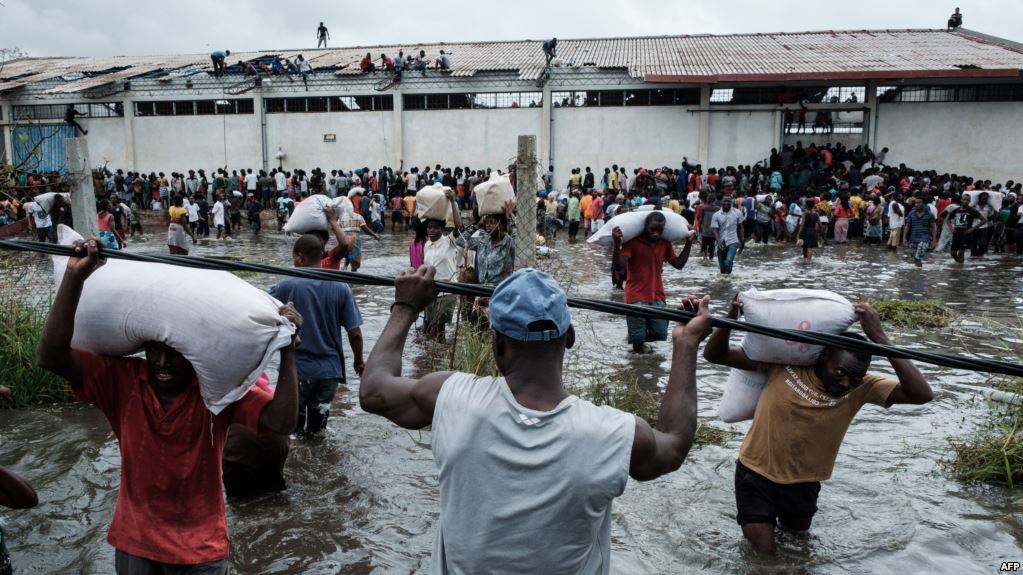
column 83, row 197
column 525, row 203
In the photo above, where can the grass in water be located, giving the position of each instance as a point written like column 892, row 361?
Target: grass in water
column 21, row 326
column 916, row 313
column 993, row 453
column 622, row 391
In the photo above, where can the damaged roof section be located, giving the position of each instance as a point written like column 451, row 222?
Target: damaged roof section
column 829, row 55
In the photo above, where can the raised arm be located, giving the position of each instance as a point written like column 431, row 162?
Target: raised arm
column 54, row 351
column 617, row 258
column 719, row 351
column 913, row 387
column 456, row 217
column 15, row 491
column 661, row 450
column 406, row 401
column 280, row 415
column 343, row 243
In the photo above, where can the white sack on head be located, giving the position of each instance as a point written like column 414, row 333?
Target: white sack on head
column 797, row 309
column 432, row 203
column 356, row 190
column 993, row 198
column 493, row 194
column 801, row 309
column 676, row 228
column 309, row 216
column 226, row 328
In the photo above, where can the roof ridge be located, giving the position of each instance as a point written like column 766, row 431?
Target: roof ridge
column 415, row 45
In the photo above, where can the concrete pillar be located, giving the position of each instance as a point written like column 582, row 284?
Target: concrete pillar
column 257, row 107
column 703, row 151
column 871, row 116
column 129, row 135
column 83, row 197
column 525, row 203
column 546, row 151
column 7, row 130
column 398, row 131
column 779, row 137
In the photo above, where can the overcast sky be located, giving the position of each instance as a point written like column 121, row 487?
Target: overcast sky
column 116, row 27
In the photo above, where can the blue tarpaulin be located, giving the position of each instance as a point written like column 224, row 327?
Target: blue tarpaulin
column 40, row 148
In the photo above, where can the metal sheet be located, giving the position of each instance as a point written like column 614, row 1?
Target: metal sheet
column 41, row 147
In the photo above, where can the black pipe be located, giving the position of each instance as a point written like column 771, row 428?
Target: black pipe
column 810, row 337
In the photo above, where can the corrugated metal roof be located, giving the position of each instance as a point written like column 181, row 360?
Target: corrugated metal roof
column 860, row 55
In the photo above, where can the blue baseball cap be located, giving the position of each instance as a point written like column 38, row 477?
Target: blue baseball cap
column 529, row 296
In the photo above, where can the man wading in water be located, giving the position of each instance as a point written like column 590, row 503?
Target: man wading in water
column 528, row 471
column 643, row 259
column 801, row 418
column 170, row 515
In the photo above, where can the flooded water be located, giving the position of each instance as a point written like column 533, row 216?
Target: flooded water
column 365, row 499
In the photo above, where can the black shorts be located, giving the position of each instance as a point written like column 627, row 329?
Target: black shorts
column 760, row 500
column 397, row 216
column 963, row 241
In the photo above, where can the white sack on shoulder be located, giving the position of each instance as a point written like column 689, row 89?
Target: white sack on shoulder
column 993, row 198
column 676, row 228
column 740, row 395
column 309, row 215
column 796, row 309
column 45, row 201
column 226, row 328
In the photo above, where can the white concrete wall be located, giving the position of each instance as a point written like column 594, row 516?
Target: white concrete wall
column 648, row 136
column 363, row 139
column 106, row 143
column 474, row 138
column 178, row 143
column 741, row 138
column 980, row 139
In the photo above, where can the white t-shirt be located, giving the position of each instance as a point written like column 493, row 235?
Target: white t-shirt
column 250, row 182
column 193, row 212
column 443, row 255
column 521, row 490
column 218, row 213
column 39, row 216
column 281, row 181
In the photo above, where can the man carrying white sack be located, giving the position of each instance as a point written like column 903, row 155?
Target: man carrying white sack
column 643, row 258
column 800, row 420
column 170, row 514
column 528, row 471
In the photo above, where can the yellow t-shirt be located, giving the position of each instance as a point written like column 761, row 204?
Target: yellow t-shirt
column 798, row 427
column 856, row 203
column 177, row 215
column 613, row 177
column 674, row 206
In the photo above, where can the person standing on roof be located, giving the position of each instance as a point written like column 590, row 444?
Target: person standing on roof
column 955, row 20
column 322, row 36
column 219, row 57
column 549, row 48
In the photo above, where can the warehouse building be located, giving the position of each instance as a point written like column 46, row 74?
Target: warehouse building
column 951, row 101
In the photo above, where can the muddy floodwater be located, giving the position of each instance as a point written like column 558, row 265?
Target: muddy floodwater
column 364, row 500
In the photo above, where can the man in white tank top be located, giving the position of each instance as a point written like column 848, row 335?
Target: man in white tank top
column 527, row 470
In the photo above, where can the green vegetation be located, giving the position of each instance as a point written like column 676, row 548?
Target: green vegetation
column 621, row 390
column 993, row 453
column 21, row 325
column 910, row 314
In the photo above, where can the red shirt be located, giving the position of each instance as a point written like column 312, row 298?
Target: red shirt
column 333, row 259
column 170, row 506
column 643, row 269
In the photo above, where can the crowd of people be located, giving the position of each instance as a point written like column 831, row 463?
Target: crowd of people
column 807, row 196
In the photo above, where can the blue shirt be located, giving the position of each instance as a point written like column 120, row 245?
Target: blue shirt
column 218, row 54
column 326, row 307
column 920, row 226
